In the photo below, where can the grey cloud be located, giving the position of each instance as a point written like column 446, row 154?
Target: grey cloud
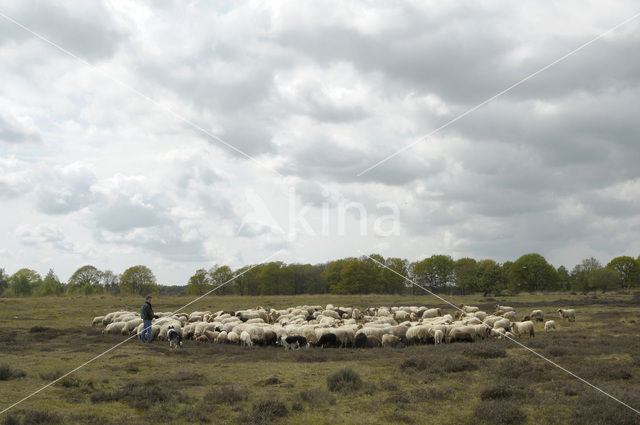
column 65, row 189
column 87, row 31
column 42, row 234
column 13, row 131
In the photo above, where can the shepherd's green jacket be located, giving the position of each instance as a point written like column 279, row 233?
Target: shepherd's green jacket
column 146, row 311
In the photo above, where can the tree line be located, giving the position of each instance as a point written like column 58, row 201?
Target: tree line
column 363, row 275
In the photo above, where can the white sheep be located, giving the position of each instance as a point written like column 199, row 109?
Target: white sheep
column 389, row 340
column 550, row 324
column 511, row 315
column 520, row 328
column 97, row 320
column 570, row 315
column 233, row 337
column 245, row 339
column 502, row 323
column 504, row 308
column 431, row 312
column 437, row 335
column 537, row 315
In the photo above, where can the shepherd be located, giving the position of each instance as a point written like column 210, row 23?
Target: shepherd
column 147, row 315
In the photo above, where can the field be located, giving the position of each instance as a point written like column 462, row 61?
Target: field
column 493, row 382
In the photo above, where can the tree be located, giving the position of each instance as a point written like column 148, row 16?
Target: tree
column 51, row 285
column 531, row 272
column 563, row 278
column 394, row 281
column 580, row 275
column 627, row 270
column 436, row 272
column 199, row 283
column 86, row 280
column 24, row 281
column 358, row 277
column 138, row 280
column 111, row 282
column 490, row 277
column 332, row 273
column 4, row 281
column 221, row 276
column 465, row 274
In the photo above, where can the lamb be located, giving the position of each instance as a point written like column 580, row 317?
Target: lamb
column 437, row 335
column 570, row 315
column 233, row 337
column 519, row 328
column 538, row 315
column 389, row 340
column 222, row 337
column 550, row 324
column 245, row 339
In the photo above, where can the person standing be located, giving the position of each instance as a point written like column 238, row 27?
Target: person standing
column 147, row 315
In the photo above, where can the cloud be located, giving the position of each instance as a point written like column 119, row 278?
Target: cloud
column 65, row 189
column 44, row 234
column 14, row 177
column 18, row 129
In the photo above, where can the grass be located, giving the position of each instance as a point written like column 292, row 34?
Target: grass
column 491, row 381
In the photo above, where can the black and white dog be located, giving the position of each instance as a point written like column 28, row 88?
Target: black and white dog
column 174, row 337
column 293, row 342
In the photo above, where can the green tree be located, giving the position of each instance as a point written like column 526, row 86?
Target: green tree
column 627, row 271
column 111, row 282
column 138, row 280
column 531, row 272
column 23, row 282
column 465, row 274
column 222, row 275
column 436, row 272
column 51, row 285
column 86, row 280
column 199, row 283
column 332, row 273
column 490, row 277
column 603, row 279
column 394, row 283
column 580, row 277
column 4, row 281
column 563, row 278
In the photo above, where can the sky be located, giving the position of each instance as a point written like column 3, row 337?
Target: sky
column 181, row 135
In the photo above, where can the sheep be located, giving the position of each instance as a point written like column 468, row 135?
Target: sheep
column 245, row 339
column 328, row 340
column 550, row 324
column 373, row 341
column 222, row 337
column 360, row 340
column 417, row 334
column 233, row 337
column 502, row 323
column 293, row 342
column 461, row 334
column 131, row 326
column 525, row 318
column 511, row 315
column 498, row 313
column 468, row 308
column 436, row 334
column 504, row 308
column 97, row 320
column 570, row 315
column 519, row 328
column 114, row 328
column 538, row 315
column 430, row 313
column 389, row 340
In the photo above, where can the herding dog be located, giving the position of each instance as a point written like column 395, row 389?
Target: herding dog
column 174, row 337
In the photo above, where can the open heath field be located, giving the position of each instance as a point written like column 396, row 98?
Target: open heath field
column 485, row 382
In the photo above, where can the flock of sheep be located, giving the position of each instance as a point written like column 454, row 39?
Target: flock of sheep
column 305, row 326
